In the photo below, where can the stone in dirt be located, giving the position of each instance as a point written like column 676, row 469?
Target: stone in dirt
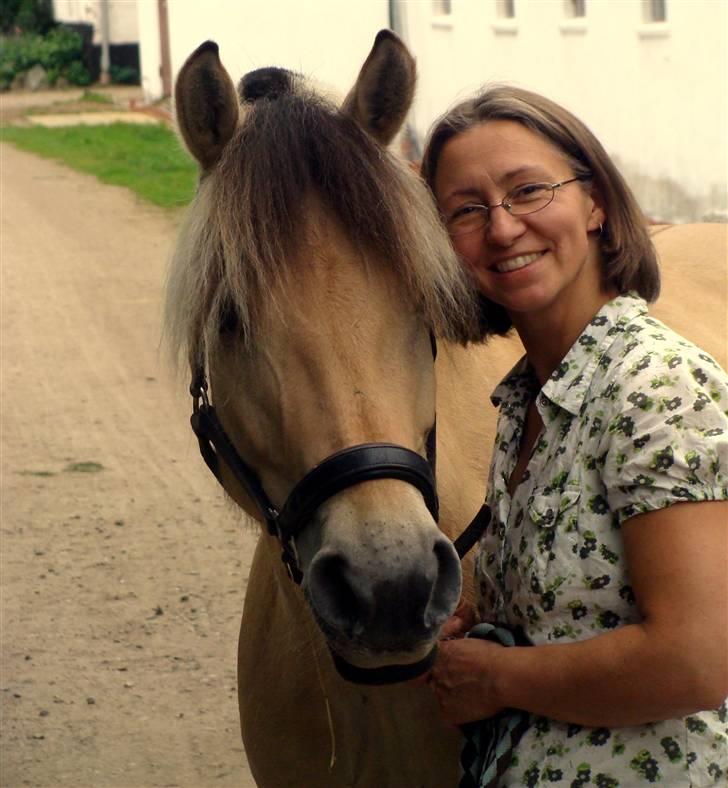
column 36, row 78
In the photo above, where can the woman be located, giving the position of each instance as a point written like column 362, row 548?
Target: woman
column 608, row 541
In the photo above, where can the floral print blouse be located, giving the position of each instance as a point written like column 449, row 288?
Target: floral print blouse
column 635, row 419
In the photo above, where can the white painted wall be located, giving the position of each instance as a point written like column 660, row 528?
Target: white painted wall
column 325, row 39
column 654, row 94
column 123, row 20
column 150, row 55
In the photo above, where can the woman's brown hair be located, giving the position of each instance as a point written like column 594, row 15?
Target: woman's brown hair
column 628, row 255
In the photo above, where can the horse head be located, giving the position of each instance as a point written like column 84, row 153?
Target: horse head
column 309, row 278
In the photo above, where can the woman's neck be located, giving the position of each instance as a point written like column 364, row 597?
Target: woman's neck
column 548, row 336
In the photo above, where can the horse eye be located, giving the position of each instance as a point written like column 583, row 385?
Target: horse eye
column 228, row 319
column 431, row 443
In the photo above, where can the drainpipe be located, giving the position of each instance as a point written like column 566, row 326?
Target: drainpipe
column 394, row 22
column 165, row 68
column 105, row 77
column 409, row 142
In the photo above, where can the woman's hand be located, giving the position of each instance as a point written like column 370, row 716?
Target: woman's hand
column 625, row 676
column 460, row 622
column 463, row 679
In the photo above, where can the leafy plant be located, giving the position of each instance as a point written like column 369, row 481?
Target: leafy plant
column 77, row 74
column 123, row 75
column 30, row 16
column 59, row 52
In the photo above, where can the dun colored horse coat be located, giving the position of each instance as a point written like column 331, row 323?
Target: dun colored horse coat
column 308, row 278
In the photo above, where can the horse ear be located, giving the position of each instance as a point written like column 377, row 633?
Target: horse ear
column 206, row 104
column 384, row 89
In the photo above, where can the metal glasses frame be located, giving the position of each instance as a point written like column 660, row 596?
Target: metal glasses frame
column 507, row 205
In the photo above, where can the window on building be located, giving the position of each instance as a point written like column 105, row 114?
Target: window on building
column 575, row 9
column 442, row 7
column 506, row 9
column 654, row 10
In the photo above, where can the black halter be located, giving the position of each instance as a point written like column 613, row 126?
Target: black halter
column 343, row 469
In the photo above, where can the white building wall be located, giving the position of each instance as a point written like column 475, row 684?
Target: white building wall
column 123, row 22
column 150, row 54
column 655, row 94
column 325, row 39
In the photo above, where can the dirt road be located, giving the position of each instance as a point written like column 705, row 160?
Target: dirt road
column 123, row 570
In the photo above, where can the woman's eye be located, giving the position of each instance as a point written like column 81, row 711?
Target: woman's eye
column 529, row 191
column 463, row 211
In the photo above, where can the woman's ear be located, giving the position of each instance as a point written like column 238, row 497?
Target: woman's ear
column 597, row 215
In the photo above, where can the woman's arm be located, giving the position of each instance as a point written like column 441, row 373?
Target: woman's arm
column 673, row 663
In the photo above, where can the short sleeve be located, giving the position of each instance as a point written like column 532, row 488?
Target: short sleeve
column 668, row 441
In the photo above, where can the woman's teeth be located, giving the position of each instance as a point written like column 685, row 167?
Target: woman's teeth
column 517, row 262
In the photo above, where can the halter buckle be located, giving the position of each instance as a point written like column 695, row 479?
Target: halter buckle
column 198, row 390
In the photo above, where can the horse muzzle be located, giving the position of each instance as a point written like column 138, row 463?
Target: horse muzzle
column 381, row 599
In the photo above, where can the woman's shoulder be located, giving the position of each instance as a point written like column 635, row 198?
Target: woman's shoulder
column 647, row 352
column 653, row 380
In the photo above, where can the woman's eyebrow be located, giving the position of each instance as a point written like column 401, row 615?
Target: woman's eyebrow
column 527, row 169
column 467, row 191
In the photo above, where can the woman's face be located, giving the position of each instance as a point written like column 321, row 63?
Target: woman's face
column 540, row 263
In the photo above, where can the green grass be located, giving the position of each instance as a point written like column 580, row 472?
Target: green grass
column 35, row 473
column 96, row 98
column 149, row 160
column 84, row 467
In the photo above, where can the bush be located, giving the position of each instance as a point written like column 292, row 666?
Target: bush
column 123, row 75
column 35, row 16
column 27, row 16
column 77, row 74
column 59, row 53
column 8, row 12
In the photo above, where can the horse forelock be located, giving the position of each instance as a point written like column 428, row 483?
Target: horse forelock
column 250, row 217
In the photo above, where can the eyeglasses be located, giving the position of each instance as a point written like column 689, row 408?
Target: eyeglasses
column 522, row 200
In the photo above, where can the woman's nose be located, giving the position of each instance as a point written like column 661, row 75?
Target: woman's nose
column 503, row 228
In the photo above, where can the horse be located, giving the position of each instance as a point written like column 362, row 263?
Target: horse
column 693, row 300
column 310, row 282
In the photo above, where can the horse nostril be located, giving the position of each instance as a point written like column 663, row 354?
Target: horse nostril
column 446, row 591
column 334, row 597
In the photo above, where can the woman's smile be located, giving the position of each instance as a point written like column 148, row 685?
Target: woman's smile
column 518, row 263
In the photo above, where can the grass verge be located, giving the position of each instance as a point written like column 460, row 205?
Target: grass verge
column 96, row 98
column 149, row 160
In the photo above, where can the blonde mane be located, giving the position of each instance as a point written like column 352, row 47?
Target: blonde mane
column 249, row 217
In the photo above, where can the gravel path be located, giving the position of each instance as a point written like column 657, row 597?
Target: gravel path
column 123, row 570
